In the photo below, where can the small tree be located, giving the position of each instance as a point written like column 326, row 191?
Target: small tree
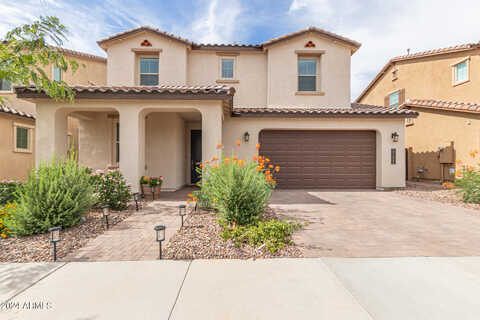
column 25, row 52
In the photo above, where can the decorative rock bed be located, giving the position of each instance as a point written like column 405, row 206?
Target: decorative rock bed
column 37, row 248
column 200, row 239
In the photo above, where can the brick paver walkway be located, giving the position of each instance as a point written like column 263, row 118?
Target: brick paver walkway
column 134, row 237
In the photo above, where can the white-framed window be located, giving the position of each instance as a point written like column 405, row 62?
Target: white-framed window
column 227, row 68
column 57, row 73
column 394, row 99
column 308, row 74
column 148, row 71
column 5, row 85
column 22, row 137
column 460, row 71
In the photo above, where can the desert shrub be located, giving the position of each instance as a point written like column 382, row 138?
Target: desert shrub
column 239, row 190
column 111, row 189
column 275, row 234
column 468, row 181
column 8, row 190
column 6, row 213
column 58, row 193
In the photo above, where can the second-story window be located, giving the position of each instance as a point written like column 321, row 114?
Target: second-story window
column 307, row 74
column 148, row 71
column 5, row 85
column 461, row 72
column 57, row 73
column 228, row 68
column 394, row 99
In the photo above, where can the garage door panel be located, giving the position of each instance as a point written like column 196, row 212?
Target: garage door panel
column 322, row 159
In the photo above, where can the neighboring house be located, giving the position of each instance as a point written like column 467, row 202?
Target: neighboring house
column 17, row 117
column 169, row 101
column 443, row 85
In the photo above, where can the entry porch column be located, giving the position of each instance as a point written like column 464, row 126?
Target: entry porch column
column 212, row 118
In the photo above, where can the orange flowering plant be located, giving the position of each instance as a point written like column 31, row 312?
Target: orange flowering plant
column 6, row 213
column 468, row 182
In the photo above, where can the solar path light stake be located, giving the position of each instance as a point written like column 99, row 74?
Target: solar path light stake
column 182, row 211
column 160, row 233
column 106, row 213
column 54, row 238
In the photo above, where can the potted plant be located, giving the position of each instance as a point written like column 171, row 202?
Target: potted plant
column 144, row 185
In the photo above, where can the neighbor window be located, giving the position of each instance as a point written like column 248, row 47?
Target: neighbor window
column 148, row 71
column 228, row 68
column 394, row 99
column 57, row 73
column 5, row 85
column 307, row 74
column 22, row 136
column 461, row 72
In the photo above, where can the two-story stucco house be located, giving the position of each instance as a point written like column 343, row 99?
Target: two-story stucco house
column 442, row 85
column 17, row 116
column 169, row 101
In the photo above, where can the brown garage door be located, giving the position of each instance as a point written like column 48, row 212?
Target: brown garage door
column 322, row 159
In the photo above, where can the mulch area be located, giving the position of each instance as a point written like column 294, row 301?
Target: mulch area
column 200, row 239
column 37, row 248
column 435, row 192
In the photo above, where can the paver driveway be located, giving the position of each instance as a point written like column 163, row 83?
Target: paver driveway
column 378, row 224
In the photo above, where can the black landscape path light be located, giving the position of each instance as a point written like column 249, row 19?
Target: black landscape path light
column 160, row 231
column 182, row 211
column 106, row 213
column 135, row 198
column 54, row 238
column 153, row 191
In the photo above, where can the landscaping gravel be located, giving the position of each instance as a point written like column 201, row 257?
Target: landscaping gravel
column 200, row 239
column 435, row 192
column 37, row 248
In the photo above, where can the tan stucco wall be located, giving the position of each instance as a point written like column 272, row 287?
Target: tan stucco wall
column 123, row 62
column 388, row 175
column 14, row 165
column 165, row 149
column 334, row 73
column 433, row 129
column 429, row 78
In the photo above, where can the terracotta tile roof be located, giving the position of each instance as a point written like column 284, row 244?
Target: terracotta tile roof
column 210, row 90
column 322, row 32
column 220, row 46
column 424, row 54
column 356, row 110
column 82, row 55
column 15, row 112
column 130, row 32
column 442, row 105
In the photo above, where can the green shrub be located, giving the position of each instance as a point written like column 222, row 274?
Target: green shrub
column 469, row 184
column 59, row 193
column 111, row 189
column 274, row 234
column 239, row 190
column 8, row 190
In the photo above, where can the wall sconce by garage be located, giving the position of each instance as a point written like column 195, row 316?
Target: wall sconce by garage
column 246, row 136
column 395, row 136
column 136, row 196
column 160, row 231
column 182, row 211
column 54, row 238
column 106, row 213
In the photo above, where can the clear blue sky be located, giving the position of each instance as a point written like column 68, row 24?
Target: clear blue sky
column 386, row 28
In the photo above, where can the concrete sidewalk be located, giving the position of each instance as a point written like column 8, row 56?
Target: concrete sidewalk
column 328, row 288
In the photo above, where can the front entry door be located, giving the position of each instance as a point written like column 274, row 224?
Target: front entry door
column 196, row 154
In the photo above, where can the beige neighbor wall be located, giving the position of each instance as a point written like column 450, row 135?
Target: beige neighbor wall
column 165, row 149
column 429, row 78
column 14, row 165
column 123, row 61
column 334, row 73
column 250, row 73
column 436, row 128
column 388, row 175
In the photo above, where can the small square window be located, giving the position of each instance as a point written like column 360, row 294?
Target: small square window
column 228, row 68
column 5, row 85
column 394, row 99
column 148, row 71
column 57, row 73
column 22, row 136
column 307, row 74
column 461, row 72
